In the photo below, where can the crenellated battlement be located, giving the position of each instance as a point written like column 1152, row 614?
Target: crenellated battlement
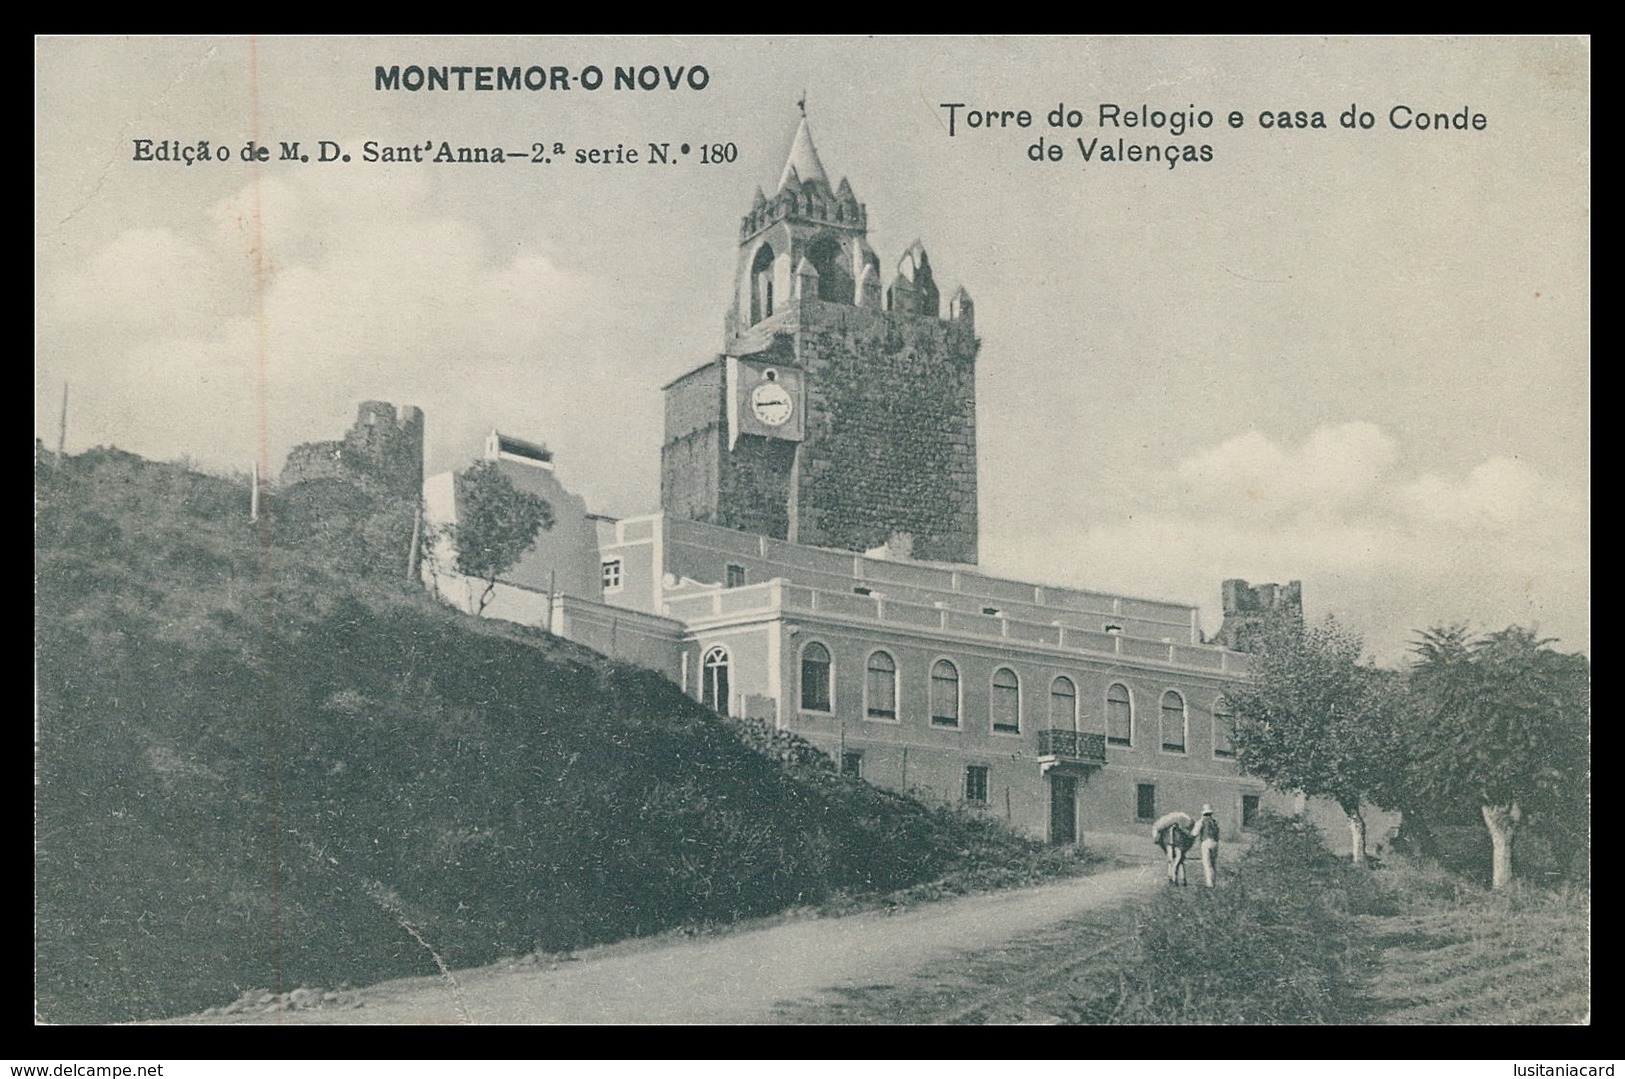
column 805, row 203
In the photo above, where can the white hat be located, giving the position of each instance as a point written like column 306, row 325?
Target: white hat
column 1207, row 811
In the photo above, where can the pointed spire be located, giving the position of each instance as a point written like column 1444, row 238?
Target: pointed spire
column 803, row 161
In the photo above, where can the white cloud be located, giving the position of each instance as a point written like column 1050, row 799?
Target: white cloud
column 365, row 290
column 1501, row 494
column 1334, row 468
column 144, row 281
column 1388, row 550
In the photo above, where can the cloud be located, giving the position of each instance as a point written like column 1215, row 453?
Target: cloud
column 1389, row 550
column 305, row 296
column 1501, row 494
column 1335, row 468
column 143, row 281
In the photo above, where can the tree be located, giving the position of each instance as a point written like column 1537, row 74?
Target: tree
column 1502, row 720
column 496, row 525
column 1313, row 717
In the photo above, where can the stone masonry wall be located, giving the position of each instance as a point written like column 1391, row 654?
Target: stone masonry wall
column 690, row 457
column 891, row 431
column 755, row 491
column 382, row 446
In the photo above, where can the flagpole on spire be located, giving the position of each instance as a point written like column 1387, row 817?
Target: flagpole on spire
column 803, row 162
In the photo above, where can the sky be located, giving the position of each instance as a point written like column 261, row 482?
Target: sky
column 1352, row 356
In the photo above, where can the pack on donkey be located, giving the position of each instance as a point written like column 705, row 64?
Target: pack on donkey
column 1173, row 833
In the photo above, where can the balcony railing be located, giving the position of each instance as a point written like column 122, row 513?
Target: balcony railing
column 1072, row 745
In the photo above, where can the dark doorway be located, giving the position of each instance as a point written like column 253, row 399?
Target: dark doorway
column 1063, row 810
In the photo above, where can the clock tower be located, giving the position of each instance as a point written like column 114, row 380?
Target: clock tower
column 842, row 410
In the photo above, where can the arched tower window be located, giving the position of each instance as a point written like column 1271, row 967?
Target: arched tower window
column 714, row 680
column 1173, row 722
column 1006, row 702
column 1063, row 705
column 815, row 678
column 880, row 691
column 1119, row 716
column 761, row 284
column 834, row 276
column 944, row 694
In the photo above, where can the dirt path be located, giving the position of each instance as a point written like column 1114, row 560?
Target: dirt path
column 738, row 978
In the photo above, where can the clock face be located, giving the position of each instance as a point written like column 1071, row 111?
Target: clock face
column 771, row 403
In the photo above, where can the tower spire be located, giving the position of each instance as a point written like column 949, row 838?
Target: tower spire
column 803, row 161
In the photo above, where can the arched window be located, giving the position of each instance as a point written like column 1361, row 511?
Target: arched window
column 944, row 694
column 1224, row 729
column 880, row 688
column 761, row 284
column 714, row 680
column 1119, row 716
column 1006, row 702
column 1173, row 722
column 834, row 279
column 815, row 678
column 1063, row 705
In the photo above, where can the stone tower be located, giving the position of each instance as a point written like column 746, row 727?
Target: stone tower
column 842, row 411
column 1251, row 612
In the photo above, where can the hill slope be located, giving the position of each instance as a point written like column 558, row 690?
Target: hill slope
column 266, row 759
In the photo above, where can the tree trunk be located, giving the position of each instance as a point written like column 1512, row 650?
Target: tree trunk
column 1356, row 834
column 1503, row 825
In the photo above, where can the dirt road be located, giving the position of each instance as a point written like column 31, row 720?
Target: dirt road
column 738, row 978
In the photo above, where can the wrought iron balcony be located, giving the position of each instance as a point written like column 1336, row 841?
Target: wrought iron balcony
column 1072, row 746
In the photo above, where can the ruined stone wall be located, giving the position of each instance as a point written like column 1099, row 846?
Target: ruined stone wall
column 1251, row 612
column 316, row 461
column 381, row 446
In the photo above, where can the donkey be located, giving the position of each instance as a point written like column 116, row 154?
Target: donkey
column 1174, row 834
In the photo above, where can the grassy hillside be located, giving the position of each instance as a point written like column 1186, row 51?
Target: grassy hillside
column 267, row 760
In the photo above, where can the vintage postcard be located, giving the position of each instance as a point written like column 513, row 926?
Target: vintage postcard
column 787, row 529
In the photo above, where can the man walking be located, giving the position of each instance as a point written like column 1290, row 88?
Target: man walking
column 1207, row 838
